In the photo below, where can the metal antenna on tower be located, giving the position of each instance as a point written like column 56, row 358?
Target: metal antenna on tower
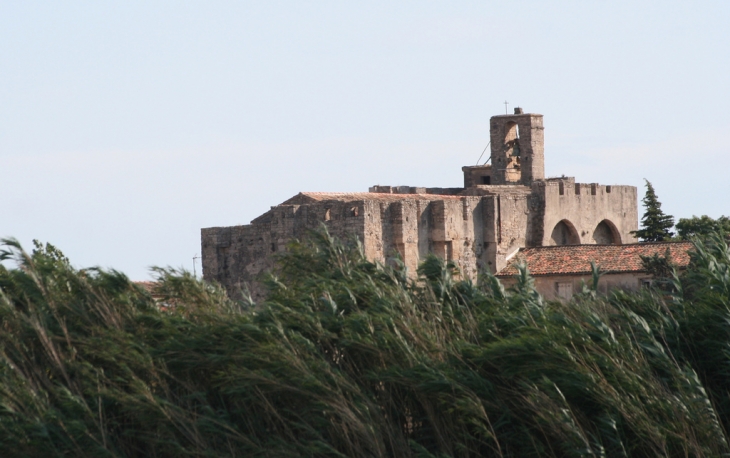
column 505, row 107
column 195, row 260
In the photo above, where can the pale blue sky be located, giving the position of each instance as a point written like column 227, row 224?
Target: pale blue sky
column 125, row 128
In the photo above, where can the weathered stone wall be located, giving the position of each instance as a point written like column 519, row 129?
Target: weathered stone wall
column 512, row 226
column 476, row 175
column 236, row 256
column 481, row 229
column 584, row 206
column 547, row 285
column 413, row 228
column 505, row 213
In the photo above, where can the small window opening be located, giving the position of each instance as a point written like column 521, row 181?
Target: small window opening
column 577, row 189
column 273, row 247
column 487, row 180
column 564, row 290
column 608, row 189
column 593, row 189
column 354, row 211
column 561, row 188
column 511, row 132
column 327, row 215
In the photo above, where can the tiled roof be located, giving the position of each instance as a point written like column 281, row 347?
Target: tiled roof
column 308, row 197
column 147, row 285
column 576, row 259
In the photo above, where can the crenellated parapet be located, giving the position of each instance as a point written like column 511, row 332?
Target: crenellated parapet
column 586, row 213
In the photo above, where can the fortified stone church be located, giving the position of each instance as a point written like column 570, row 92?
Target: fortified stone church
column 503, row 206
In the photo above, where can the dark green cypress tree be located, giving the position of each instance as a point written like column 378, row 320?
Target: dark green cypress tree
column 655, row 224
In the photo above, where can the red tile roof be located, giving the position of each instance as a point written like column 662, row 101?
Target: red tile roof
column 149, row 286
column 309, row 197
column 576, row 259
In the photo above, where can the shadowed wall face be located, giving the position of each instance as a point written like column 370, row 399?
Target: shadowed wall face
column 564, row 234
column 606, row 234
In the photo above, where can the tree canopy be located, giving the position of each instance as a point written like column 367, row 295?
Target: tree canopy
column 702, row 226
column 655, row 225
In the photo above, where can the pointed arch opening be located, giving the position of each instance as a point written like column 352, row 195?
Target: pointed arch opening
column 606, row 233
column 511, row 132
column 564, row 233
column 512, row 152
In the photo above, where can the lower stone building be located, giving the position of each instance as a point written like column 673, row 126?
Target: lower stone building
column 560, row 271
column 502, row 207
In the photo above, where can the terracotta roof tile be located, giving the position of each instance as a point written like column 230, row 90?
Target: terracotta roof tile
column 576, row 259
column 149, row 286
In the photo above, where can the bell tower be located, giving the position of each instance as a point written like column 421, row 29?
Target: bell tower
column 518, row 148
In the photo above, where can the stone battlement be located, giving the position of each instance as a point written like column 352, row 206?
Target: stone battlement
column 415, row 190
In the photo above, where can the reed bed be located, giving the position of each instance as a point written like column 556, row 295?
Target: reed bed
column 347, row 358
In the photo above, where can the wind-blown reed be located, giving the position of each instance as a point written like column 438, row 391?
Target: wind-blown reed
column 349, row 358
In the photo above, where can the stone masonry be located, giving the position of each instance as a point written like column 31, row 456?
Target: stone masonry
column 503, row 206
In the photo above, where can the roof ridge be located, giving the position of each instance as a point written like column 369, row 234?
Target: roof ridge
column 575, row 259
column 612, row 245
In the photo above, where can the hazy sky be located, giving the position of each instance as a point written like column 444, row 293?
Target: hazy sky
column 126, row 127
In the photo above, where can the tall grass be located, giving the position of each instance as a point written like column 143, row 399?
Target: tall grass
column 350, row 358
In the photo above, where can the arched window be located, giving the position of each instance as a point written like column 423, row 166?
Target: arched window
column 511, row 131
column 512, row 152
column 606, row 234
column 564, row 233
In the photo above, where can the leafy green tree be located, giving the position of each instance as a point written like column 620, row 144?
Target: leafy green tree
column 702, row 226
column 655, row 224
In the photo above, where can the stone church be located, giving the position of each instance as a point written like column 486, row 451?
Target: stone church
column 503, row 206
